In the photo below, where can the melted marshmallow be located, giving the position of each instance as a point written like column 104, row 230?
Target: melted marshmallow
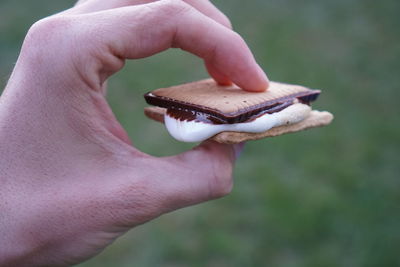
column 192, row 131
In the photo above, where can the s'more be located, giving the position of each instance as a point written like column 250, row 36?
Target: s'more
column 202, row 110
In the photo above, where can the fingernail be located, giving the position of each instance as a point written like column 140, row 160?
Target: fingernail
column 265, row 78
column 238, row 149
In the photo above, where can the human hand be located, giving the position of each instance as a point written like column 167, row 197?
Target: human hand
column 71, row 182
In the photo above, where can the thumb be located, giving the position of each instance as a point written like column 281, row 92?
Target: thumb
column 144, row 187
column 199, row 175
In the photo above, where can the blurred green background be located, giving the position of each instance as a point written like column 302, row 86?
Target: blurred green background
column 325, row 197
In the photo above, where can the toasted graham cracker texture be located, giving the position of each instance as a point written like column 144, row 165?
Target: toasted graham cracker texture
column 316, row 119
column 226, row 99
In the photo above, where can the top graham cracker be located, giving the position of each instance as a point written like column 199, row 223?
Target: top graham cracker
column 228, row 100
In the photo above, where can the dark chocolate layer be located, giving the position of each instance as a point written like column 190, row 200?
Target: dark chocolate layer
column 187, row 111
column 190, row 115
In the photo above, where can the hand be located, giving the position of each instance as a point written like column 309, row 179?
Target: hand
column 71, row 182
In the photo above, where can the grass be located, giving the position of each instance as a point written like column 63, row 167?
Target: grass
column 326, row 197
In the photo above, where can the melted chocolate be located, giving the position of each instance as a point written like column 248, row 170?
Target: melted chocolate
column 190, row 115
column 307, row 99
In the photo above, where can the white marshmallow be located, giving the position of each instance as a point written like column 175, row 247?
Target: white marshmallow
column 192, row 131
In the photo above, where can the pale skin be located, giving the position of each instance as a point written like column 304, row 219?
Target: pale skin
column 71, row 180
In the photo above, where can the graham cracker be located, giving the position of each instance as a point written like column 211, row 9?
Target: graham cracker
column 228, row 100
column 316, row 119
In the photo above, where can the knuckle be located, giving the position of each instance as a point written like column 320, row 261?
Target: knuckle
column 176, row 7
column 222, row 185
column 221, row 182
column 46, row 33
column 226, row 21
column 238, row 38
column 135, row 203
column 80, row 2
column 238, row 43
column 47, row 29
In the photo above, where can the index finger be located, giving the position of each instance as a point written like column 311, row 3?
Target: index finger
column 204, row 6
column 141, row 31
